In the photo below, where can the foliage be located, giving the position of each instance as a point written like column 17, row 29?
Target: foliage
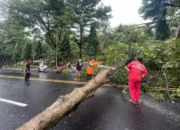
column 38, row 50
column 157, row 95
column 157, row 11
column 86, row 12
column 27, row 51
column 65, row 49
column 177, row 93
column 93, row 43
column 65, row 72
column 17, row 52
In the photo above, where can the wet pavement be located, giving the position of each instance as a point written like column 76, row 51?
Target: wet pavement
column 109, row 109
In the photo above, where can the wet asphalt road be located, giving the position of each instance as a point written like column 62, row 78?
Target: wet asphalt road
column 109, row 109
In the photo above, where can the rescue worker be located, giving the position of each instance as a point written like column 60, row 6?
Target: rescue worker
column 90, row 70
column 27, row 69
column 136, row 72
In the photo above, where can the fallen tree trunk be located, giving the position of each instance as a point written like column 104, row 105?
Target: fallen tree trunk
column 64, row 104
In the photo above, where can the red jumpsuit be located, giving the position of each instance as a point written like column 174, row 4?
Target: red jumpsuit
column 137, row 71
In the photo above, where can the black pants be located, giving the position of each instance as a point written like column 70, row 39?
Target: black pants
column 27, row 76
column 89, row 76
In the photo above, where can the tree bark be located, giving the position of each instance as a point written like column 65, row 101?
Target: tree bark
column 177, row 35
column 64, row 104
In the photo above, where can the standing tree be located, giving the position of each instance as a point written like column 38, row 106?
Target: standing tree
column 38, row 50
column 16, row 53
column 158, row 11
column 84, row 13
column 48, row 15
column 65, row 49
column 93, row 43
column 27, row 51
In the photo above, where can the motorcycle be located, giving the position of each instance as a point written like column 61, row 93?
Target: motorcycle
column 43, row 68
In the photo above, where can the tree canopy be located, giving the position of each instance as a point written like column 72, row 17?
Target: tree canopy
column 159, row 12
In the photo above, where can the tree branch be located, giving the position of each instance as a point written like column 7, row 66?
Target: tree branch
column 171, row 5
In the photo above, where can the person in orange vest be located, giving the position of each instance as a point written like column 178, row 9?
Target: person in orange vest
column 90, row 70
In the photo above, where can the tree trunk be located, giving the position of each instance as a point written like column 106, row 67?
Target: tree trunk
column 2, row 61
column 64, row 104
column 81, row 40
column 177, row 35
column 80, row 49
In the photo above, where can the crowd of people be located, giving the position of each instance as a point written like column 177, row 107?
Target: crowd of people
column 137, row 71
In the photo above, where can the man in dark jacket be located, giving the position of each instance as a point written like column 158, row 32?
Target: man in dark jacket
column 27, row 70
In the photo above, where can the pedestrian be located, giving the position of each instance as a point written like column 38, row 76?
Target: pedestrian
column 90, row 70
column 27, row 69
column 136, row 72
column 78, row 69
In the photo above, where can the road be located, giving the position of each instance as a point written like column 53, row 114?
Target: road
column 109, row 109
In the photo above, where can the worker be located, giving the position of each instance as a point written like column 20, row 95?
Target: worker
column 90, row 70
column 27, row 70
column 136, row 72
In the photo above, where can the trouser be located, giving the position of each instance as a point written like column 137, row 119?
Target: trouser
column 89, row 76
column 134, row 90
column 27, row 76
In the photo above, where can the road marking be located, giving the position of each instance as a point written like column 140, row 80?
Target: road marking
column 13, row 102
column 47, row 80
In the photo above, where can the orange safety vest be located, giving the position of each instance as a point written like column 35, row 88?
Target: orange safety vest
column 92, row 63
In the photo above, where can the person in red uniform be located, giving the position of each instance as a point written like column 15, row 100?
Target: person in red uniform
column 136, row 72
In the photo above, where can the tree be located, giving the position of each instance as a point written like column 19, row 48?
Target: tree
column 65, row 49
column 27, row 51
column 16, row 53
column 86, row 12
column 158, row 11
column 38, row 50
column 48, row 15
column 93, row 43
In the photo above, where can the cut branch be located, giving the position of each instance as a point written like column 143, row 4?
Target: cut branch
column 64, row 104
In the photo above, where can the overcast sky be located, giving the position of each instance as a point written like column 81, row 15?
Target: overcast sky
column 124, row 11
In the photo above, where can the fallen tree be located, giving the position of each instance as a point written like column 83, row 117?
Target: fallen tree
column 65, row 104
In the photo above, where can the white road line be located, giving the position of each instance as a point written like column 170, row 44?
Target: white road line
column 13, row 102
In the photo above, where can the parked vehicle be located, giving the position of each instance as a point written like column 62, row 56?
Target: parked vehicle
column 60, row 68
column 43, row 68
